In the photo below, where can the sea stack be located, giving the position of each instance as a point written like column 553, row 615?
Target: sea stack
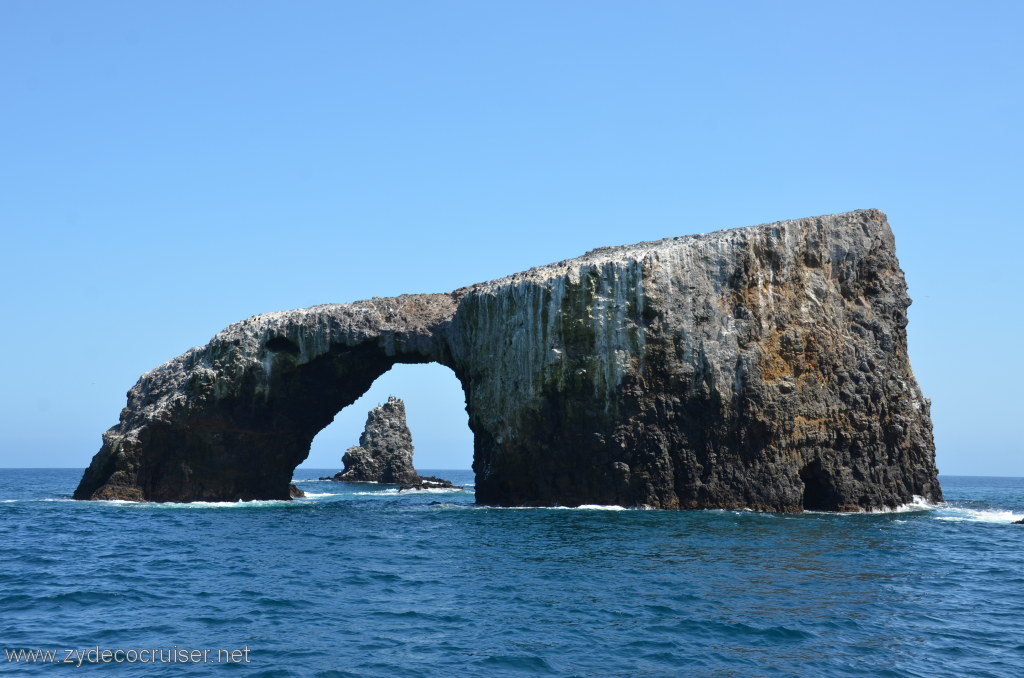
column 384, row 453
column 763, row 367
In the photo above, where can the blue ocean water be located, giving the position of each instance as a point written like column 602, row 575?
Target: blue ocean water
column 359, row 580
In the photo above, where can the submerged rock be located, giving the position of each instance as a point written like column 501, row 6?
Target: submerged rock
column 429, row 483
column 762, row 367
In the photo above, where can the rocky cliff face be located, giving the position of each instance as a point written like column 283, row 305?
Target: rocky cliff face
column 384, row 453
column 761, row 367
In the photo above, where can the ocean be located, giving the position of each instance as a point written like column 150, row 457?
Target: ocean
column 361, row 580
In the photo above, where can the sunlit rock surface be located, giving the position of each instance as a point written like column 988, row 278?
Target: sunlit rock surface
column 762, row 367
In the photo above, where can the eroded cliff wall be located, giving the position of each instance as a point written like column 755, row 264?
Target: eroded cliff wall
column 762, row 367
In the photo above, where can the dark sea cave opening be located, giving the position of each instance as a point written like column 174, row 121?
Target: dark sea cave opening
column 818, row 492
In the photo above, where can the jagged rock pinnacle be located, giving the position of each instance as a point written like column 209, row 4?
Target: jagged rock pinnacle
column 384, row 453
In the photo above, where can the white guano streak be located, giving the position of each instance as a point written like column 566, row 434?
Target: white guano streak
column 617, row 338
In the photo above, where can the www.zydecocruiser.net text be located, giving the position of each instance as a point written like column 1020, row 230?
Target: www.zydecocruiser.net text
column 102, row 655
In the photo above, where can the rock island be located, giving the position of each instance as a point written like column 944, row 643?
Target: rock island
column 763, row 367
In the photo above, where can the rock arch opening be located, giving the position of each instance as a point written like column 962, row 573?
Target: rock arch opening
column 435, row 406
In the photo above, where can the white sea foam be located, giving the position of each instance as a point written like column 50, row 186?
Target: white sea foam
column 593, row 507
column 329, row 480
column 583, row 507
column 918, row 503
column 392, row 491
column 314, row 495
column 966, row 515
column 201, row 505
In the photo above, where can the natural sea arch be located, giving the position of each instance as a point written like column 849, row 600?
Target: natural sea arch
column 233, row 419
column 763, row 367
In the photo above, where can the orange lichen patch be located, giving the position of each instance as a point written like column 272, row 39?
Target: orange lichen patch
column 774, row 364
column 802, row 365
column 803, row 425
column 810, row 355
column 757, row 294
column 774, row 367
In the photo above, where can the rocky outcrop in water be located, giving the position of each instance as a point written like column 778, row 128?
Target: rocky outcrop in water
column 428, row 483
column 762, row 367
column 384, row 453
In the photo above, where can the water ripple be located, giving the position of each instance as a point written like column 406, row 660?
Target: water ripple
column 361, row 582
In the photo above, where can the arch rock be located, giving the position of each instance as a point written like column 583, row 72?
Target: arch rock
column 762, row 367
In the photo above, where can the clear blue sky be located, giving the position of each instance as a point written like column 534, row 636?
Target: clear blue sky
column 168, row 168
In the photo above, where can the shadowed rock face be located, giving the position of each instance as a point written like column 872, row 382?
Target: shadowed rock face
column 762, row 367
